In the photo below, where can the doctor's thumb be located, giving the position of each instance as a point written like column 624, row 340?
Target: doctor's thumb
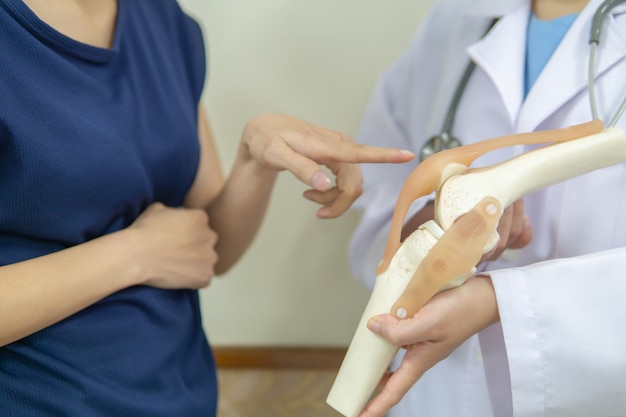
column 383, row 325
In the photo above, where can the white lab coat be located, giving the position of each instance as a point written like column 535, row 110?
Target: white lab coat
column 560, row 349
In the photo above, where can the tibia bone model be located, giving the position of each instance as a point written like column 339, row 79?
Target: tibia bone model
column 442, row 254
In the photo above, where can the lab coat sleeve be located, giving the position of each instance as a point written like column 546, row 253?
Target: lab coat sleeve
column 562, row 334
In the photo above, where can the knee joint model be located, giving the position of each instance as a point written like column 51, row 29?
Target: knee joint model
column 442, row 253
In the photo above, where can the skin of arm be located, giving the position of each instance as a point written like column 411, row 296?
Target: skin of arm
column 164, row 247
column 176, row 248
column 269, row 144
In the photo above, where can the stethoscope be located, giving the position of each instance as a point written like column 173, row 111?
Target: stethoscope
column 446, row 140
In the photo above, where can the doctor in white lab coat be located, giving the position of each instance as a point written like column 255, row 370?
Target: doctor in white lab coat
column 558, row 347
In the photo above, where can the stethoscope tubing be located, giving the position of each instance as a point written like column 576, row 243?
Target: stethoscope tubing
column 594, row 41
column 445, row 139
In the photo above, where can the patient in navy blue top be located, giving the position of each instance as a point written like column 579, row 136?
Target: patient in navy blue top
column 112, row 199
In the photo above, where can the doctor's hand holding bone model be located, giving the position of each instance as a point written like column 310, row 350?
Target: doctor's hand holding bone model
column 536, row 333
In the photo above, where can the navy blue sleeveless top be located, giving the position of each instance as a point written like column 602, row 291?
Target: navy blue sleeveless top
column 88, row 138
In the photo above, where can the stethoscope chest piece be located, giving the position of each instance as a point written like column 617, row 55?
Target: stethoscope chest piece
column 438, row 143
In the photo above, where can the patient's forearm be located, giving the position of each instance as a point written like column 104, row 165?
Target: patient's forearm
column 42, row 291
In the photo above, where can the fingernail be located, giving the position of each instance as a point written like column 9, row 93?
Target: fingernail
column 374, row 326
column 401, row 313
column 321, row 181
column 323, row 212
column 405, row 152
column 526, row 222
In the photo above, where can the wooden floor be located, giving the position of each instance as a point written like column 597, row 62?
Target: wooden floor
column 275, row 393
column 276, row 382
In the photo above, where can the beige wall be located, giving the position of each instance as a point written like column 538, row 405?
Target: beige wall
column 317, row 60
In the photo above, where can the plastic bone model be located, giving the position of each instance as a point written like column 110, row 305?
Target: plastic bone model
column 442, row 254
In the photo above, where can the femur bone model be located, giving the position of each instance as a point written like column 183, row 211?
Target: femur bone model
column 443, row 253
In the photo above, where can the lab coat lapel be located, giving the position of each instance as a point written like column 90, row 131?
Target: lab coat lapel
column 565, row 74
column 500, row 54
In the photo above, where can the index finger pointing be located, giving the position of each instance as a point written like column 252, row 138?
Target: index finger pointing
column 350, row 152
column 375, row 154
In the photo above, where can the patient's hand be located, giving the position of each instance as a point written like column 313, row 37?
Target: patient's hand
column 284, row 143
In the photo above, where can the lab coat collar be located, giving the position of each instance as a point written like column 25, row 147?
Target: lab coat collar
column 501, row 54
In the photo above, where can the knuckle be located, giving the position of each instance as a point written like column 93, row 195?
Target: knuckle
column 352, row 189
column 339, row 136
column 200, row 215
column 206, row 281
column 357, row 190
column 310, row 130
column 270, row 153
